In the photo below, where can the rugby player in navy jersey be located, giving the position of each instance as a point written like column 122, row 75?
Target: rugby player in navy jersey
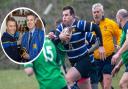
column 75, row 46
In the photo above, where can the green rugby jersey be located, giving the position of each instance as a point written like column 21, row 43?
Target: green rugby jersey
column 46, row 68
column 123, row 38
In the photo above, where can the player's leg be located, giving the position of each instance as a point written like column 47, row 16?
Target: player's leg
column 81, row 69
column 94, row 76
column 72, row 76
column 124, row 80
column 107, row 78
column 95, row 79
column 102, row 85
column 84, row 83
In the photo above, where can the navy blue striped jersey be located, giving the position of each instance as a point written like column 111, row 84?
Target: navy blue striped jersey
column 77, row 46
column 9, row 43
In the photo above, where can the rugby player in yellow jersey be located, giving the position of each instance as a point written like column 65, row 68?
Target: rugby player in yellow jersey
column 109, row 30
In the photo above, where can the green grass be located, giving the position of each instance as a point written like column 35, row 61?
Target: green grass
column 16, row 79
column 116, row 79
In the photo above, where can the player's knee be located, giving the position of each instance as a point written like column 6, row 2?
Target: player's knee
column 122, row 84
column 69, row 79
column 106, row 87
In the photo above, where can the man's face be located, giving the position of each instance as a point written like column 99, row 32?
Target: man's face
column 31, row 21
column 67, row 17
column 97, row 14
column 11, row 27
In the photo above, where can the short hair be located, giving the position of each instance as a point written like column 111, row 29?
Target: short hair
column 97, row 5
column 122, row 12
column 11, row 19
column 31, row 14
column 72, row 12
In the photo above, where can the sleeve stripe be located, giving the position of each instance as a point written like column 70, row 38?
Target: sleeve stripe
column 91, row 38
column 78, row 24
column 62, row 26
column 84, row 25
column 85, row 35
column 91, row 27
column 58, row 30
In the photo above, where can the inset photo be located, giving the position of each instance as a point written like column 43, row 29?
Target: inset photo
column 22, row 35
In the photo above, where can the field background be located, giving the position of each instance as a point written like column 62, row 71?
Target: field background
column 12, row 75
column 17, row 79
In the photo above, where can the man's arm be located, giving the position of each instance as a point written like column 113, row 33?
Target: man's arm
column 28, row 68
column 91, row 27
column 121, row 50
column 117, row 68
column 95, row 28
column 116, row 34
column 124, row 47
column 92, row 41
column 94, row 47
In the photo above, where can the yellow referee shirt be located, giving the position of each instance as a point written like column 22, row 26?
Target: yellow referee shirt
column 109, row 30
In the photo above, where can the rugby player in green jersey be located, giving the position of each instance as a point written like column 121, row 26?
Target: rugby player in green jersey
column 122, row 20
column 47, row 67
